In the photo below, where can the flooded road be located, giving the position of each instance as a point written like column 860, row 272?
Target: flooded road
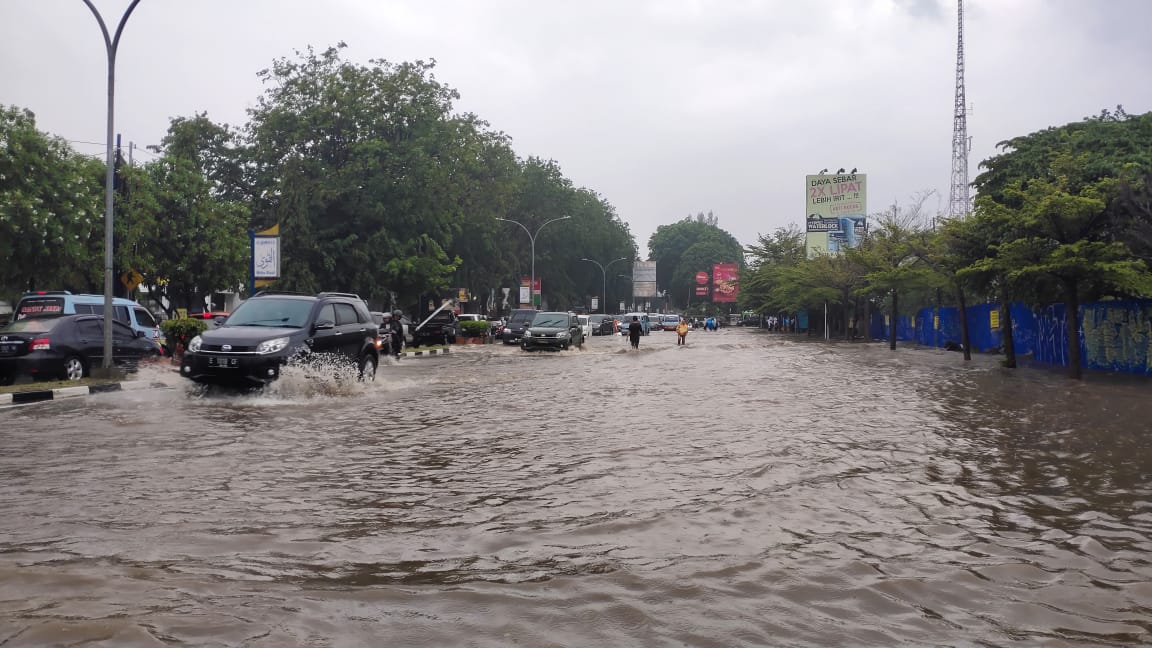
column 744, row 490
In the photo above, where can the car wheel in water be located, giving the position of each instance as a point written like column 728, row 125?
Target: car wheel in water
column 368, row 369
column 73, row 368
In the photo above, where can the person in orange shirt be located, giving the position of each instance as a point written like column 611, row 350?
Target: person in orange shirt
column 682, row 331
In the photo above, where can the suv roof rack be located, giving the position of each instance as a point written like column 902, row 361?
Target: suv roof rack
column 279, row 292
column 338, row 294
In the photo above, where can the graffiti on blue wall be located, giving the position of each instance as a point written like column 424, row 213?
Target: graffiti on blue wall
column 1114, row 335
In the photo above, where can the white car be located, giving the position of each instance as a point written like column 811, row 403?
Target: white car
column 586, row 324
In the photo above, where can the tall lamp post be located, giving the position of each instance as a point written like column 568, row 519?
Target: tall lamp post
column 110, row 44
column 532, row 238
column 604, row 280
column 624, row 276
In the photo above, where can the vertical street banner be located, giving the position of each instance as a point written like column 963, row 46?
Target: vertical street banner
column 837, row 210
column 265, row 267
column 644, row 279
column 725, row 278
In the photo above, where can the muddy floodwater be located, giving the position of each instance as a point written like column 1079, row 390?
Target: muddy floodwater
column 748, row 489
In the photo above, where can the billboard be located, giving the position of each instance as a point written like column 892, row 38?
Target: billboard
column 644, row 279
column 724, row 282
column 837, row 210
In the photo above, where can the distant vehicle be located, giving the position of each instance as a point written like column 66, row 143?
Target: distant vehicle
column 602, row 324
column 213, row 318
column 669, row 321
column 269, row 330
column 585, row 324
column 517, row 321
column 67, row 347
column 626, row 319
column 553, row 330
column 441, row 329
column 52, row 303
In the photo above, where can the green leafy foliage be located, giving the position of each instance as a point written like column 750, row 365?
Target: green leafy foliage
column 181, row 330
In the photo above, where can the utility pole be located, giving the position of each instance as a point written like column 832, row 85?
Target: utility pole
column 959, row 203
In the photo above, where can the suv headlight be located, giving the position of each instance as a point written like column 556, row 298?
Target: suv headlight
column 272, row 346
column 194, row 344
column 563, row 334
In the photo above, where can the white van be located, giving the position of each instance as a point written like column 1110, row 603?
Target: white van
column 626, row 320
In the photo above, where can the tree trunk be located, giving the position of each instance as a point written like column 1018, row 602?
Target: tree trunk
column 1072, row 317
column 892, row 319
column 1009, row 338
column 847, row 302
column 965, row 340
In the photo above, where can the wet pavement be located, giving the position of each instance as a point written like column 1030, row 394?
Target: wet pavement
column 748, row 489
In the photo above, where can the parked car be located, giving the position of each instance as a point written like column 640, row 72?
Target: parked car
column 553, row 330
column 518, row 320
column 440, row 329
column 67, row 347
column 270, row 330
column 602, row 324
column 52, row 303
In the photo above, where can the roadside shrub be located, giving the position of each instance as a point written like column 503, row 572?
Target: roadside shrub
column 181, row 330
column 470, row 328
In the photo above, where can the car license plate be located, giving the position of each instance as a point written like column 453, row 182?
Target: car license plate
column 7, row 348
column 223, row 363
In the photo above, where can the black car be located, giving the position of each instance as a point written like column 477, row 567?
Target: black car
column 518, row 320
column 67, row 347
column 439, row 329
column 270, row 330
column 602, row 324
column 553, row 330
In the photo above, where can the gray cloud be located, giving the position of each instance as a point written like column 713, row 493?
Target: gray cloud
column 666, row 107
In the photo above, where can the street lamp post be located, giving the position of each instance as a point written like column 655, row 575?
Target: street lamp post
column 604, row 280
column 110, row 44
column 630, row 304
column 532, row 238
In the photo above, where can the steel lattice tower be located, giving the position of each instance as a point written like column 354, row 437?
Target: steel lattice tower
column 959, row 203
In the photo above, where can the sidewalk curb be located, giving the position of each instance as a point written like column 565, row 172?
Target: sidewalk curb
column 430, row 352
column 60, row 393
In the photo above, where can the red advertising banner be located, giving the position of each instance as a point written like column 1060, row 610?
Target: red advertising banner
column 724, row 282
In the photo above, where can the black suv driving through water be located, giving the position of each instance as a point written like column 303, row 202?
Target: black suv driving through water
column 271, row 329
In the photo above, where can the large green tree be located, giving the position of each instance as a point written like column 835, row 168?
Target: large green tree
column 675, row 267
column 367, row 170
column 51, row 210
column 1073, row 196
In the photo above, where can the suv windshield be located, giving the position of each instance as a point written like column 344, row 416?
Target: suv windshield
column 270, row 311
column 551, row 320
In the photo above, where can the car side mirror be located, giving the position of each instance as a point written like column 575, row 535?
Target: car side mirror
column 219, row 319
column 324, row 325
column 141, row 334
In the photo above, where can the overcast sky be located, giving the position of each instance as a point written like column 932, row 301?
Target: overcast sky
column 664, row 107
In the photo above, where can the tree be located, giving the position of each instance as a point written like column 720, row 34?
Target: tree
column 51, row 210
column 367, row 170
column 1073, row 195
column 669, row 244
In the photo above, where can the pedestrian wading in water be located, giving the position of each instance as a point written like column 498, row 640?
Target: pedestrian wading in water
column 682, row 332
column 635, row 329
